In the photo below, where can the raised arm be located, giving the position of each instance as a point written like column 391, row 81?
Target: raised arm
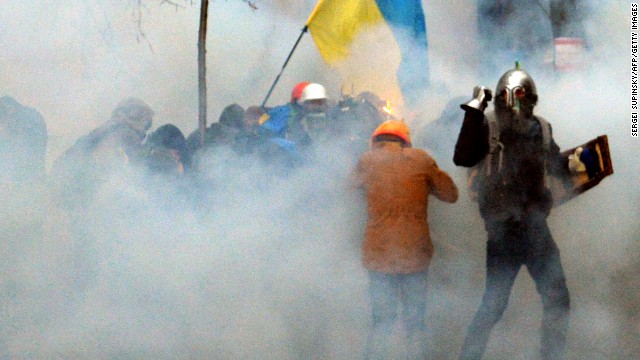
column 473, row 144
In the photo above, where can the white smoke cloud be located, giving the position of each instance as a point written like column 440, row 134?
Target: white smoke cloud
column 271, row 268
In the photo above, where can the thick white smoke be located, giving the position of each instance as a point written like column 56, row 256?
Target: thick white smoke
column 269, row 267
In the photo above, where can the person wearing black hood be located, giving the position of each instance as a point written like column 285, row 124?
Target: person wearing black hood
column 249, row 139
column 165, row 151
column 80, row 177
column 224, row 132
column 109, row 148
column 168, row 171
column 231, row 125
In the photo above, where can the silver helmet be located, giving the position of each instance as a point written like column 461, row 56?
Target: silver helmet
column 514, row 89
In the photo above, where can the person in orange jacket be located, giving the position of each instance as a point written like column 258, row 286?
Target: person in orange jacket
column 397, row 249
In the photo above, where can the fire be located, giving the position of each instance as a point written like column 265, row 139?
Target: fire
column 387, row 108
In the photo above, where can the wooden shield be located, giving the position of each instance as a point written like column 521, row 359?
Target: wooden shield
column 581, row 182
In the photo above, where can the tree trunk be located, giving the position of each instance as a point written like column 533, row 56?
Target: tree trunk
column 202, row 70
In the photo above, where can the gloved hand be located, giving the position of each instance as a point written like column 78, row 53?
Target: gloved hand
column 575, row 165
column 481, row 98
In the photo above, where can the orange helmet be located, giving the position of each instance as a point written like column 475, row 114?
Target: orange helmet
column 297, row 90
column 393, row 127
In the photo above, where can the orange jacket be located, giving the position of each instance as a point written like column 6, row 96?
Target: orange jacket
column 397, row 181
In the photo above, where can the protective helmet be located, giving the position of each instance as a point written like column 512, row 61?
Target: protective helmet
column 514, row 86
column 393, row 127
column 313, row 91
column 297, row 90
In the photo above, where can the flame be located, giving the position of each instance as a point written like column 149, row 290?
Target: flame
column 387, row 108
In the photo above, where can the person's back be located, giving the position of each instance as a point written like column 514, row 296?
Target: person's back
column 119, row 141
column 399, row 212
column 397, row 249
column 114, row 145
column 86, row 186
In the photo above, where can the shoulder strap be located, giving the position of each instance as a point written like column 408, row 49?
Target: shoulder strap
column 494, row 132
column 546, row 144
column 495, row 146
column 546, row 133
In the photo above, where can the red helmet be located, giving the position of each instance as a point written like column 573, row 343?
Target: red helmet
column 297, row 90
column 393, row 127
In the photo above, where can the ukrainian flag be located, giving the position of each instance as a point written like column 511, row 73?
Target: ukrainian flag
column 336, row 24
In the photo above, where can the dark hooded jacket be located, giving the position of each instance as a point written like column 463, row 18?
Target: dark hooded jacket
column 109, row 148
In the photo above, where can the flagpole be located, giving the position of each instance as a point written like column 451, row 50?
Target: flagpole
column 304, row 30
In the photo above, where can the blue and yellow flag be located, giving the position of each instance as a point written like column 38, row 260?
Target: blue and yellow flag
column 336, row 24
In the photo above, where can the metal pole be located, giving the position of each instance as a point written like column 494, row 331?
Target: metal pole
column 304, row 30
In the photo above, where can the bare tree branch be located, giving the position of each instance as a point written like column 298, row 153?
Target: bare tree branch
column 173, row 3
column 138, row 6
column 137, row 14
column 251, row 4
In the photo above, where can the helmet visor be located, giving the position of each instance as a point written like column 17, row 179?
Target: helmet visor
column 512, row 97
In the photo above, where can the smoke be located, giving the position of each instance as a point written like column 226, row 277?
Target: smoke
column 266, row 265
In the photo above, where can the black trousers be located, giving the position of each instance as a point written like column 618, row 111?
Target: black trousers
column 510, row 245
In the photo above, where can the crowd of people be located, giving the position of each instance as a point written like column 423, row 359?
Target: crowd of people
column 279, row 140
column 511, row 150
column 282, row 137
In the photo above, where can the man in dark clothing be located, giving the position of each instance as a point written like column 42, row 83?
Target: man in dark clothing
column 514, row 151
column 224, row 132
column 165, row 151
column 107, row 149
column 248, row 139
column 78, row 177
